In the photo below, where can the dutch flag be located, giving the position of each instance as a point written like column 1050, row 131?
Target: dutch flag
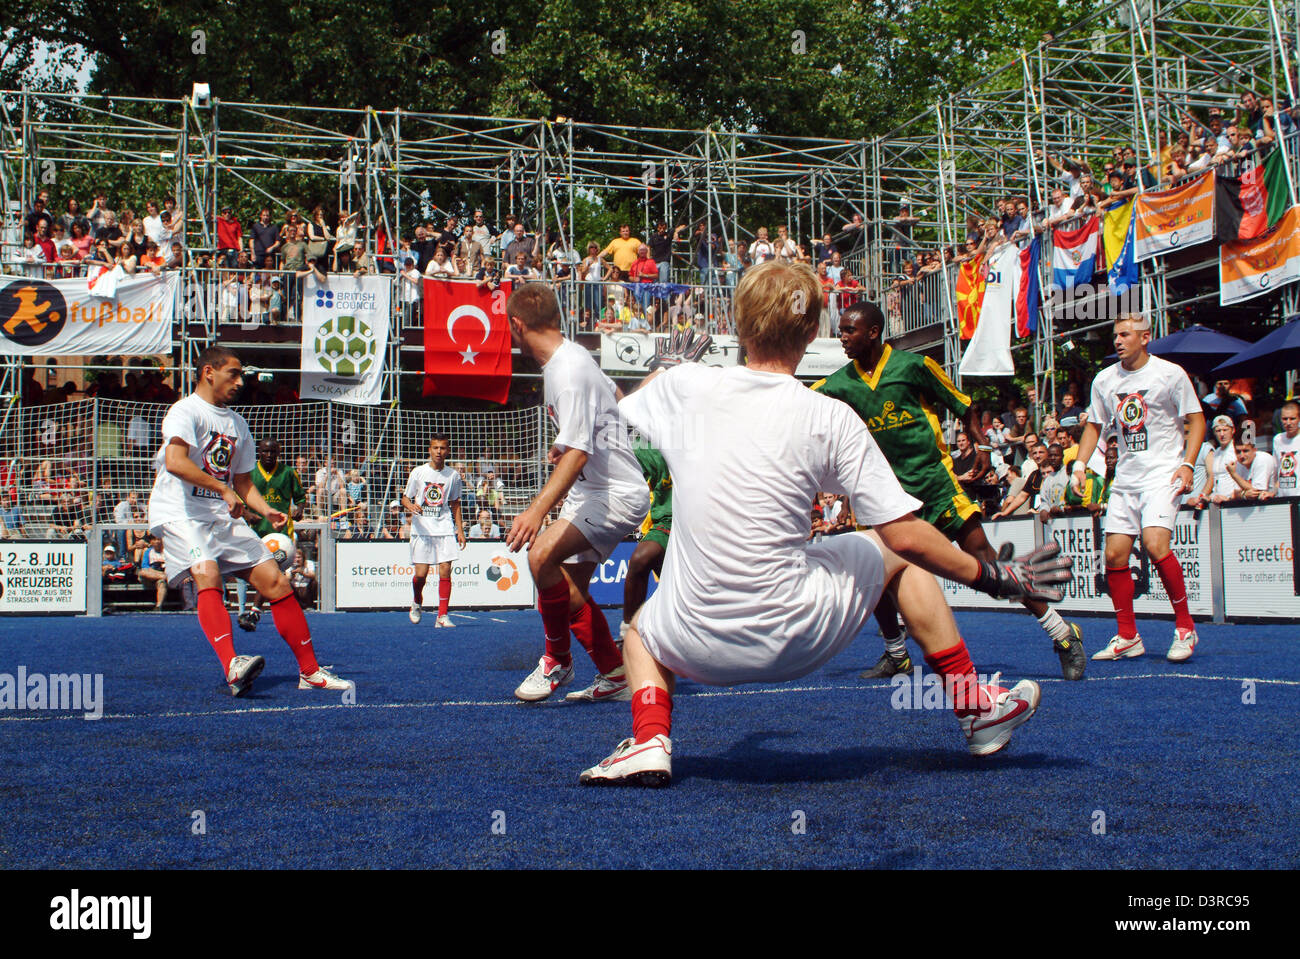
column 1074, row 254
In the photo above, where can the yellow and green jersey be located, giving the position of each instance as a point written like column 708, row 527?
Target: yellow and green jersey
column 1096, row 491
column 655, row 471
column 899, row 401
column 281, row 490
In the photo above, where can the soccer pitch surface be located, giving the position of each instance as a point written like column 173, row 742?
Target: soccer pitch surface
column 436, row 765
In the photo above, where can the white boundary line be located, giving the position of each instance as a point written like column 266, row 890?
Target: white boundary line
column 723, row 693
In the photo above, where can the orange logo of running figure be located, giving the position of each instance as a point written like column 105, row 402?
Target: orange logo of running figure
column 31, row 312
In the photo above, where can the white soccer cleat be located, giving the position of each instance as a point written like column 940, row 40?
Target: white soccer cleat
column 416, row 612
column 634, row 764
column 324, row 679
column 991, row 731
column 1121, row 648
column 243, row 670
column 445, row 622
column 549, row 676
column 1184, row 644
column 603, row 688
column 622, row 635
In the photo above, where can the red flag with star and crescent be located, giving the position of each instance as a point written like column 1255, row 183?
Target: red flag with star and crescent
column 466, row 341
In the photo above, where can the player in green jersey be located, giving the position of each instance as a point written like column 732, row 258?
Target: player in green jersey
column 897, row 394
column 648, row 557
column 282, row 489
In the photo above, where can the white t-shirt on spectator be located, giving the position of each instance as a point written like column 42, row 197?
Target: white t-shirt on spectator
column 1263, row 471
column 760, row 251
column 153, row 229
column 1147, row 407
column 122, row 512
column 219, row 444
column 1286, row 450
column 443, row 269
column 433, row 491
column 1223, row 483
column 477, row 532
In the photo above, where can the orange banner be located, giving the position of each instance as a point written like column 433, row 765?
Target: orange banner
column 1172, row 219
column 1250, row 268
column 970, row 295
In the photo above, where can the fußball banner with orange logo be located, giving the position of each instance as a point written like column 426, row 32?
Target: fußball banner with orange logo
column 1169, row 220
column 1251, row 268
column 60, row 318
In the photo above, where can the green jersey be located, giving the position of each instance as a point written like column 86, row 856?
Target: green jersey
column 655, row 470
column 1096, row 491
column 899, row 402
column 281, row 490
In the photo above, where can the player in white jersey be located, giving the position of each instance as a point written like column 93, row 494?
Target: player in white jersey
column 1149, row 400
column 432, row 497
column 1286, row 450
column 202, row 489
column 743, row 596
column 605, row 498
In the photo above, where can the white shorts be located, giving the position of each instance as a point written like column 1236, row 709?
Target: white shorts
column 431, row 550
column 230, row 543
column 1129, row 512
column 829, row 601
column 605, row 521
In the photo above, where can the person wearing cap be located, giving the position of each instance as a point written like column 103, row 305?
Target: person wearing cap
column 1219, row 484
column 275, row 302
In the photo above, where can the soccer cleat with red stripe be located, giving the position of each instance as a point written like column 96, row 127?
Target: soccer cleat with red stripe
column 634, row 764
column 444, row 622
column 987, row 733
column 549, row 676
column 1184, row 644
column 603, row 688
column 1121, row 648
column 243, row 670
column 324, row 679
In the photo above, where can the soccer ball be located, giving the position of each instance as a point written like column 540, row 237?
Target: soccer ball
column 281, row 548
column 345, row 346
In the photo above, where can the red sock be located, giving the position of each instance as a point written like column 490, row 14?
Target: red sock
column 292, row 626
column 417, row 587
column 214, row 620
column 1171, row 574
column 592, row 630
column 652, row 713
column 553, row 603
column 959, row 679
column 444, row 594
column 1119, row 583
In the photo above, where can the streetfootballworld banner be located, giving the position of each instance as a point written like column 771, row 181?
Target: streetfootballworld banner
column 61, row 318
column 632, row 353
column 1172, row 219
column 345, row 324
column 1250, row 268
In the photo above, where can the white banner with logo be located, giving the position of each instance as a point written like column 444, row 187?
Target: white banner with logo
column 1259, row 562
column 377, row 575
column 345, row 323
column 632, row 353
column 1019, row 532
column 61, row 318
column 43, row 577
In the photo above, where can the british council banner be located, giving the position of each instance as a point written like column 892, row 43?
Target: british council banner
column 62, row 318
column 345, row 324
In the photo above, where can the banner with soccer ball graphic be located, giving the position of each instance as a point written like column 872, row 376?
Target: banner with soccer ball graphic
column 345, row 323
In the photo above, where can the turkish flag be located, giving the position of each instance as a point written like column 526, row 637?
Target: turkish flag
column 466, row 341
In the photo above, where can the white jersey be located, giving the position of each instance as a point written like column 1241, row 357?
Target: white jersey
column 1263, row 471
column 758, row 445
column 433, row 491
column 1286, row 450
column 580, row 400
column 1147, row 407
column 220, row 445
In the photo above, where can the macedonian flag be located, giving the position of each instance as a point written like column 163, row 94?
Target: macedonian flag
column 970, row 295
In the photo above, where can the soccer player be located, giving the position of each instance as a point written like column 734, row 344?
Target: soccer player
column 605, row 498
column 1286, row 450
column 1147, row 399
column 282, row 489
column 648, row 557
column 432, row 497
column 744, row 597
column 200, row 493
column 897, row 394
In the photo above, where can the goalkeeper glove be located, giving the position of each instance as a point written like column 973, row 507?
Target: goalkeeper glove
column 680, row 346
column 1026, row 577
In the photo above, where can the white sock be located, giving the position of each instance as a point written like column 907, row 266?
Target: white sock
column 896, row 646
column 1056, row 627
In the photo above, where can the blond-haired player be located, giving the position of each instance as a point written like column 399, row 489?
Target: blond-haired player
column 749, row 599
column 1147, row 399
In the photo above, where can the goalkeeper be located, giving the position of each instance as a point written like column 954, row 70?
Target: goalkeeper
column 648, row 557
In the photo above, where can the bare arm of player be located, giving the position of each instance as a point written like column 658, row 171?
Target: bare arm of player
column 178, row 463
column 252, row 496
column 408, row 504
column 524, row 528
column 1195, row 437
column 460, row 527
column 1087, row 446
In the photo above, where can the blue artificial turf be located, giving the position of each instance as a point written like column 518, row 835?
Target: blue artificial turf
column 435, row 752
